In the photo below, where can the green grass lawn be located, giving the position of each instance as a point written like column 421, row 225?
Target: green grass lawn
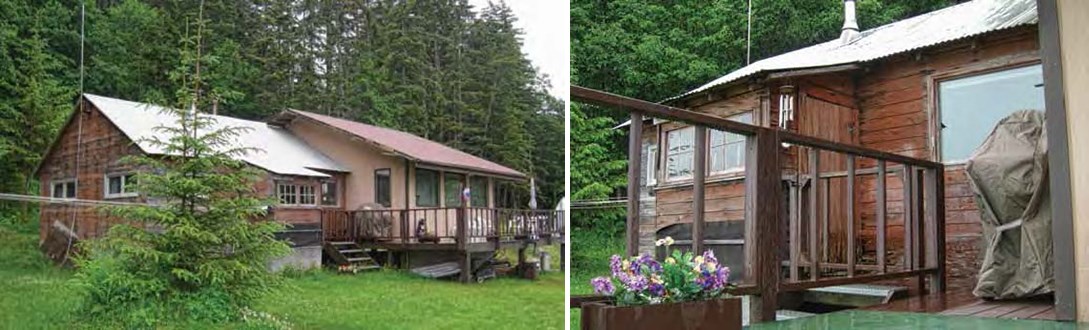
column 590, row 254
column 36, row 295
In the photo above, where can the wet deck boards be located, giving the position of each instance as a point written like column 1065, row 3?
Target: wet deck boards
column 862, row 319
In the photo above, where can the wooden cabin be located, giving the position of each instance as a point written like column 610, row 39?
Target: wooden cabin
column 930, row 87
column 338, row 184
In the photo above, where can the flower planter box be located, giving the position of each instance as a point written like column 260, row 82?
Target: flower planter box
column 724, row 314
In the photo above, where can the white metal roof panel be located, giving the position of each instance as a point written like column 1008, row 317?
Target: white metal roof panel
column 279, row 151
column 933, row 28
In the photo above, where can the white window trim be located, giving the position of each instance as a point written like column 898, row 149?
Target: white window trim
column 336, row 193
column 64, row 183
column 106, row 186
column 652, row 163
column 743, row 142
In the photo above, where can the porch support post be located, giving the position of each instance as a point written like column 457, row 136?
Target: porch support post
column 935, row 227
column 699, row 174
column 635, row 148
column 762, row 175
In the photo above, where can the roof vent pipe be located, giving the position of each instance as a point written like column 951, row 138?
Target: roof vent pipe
column 850, row 24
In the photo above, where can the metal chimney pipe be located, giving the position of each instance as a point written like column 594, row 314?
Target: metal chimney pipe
column 850, row 23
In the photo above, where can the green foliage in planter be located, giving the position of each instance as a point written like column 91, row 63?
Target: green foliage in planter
column 200, row 249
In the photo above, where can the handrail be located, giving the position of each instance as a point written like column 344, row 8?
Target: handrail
column 457, row 225
column 924, row 217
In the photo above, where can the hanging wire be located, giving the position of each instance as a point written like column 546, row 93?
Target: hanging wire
column 79, row 126
column 748, row 38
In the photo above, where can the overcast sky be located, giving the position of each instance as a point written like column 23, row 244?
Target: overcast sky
column 547, row 37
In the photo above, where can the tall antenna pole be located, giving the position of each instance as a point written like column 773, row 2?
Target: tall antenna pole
column 748, row 38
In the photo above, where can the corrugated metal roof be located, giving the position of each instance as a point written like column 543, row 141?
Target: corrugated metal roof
column 933, row 28
column 412, row 146
column 280, row 151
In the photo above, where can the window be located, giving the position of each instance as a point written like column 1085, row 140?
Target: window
column 971, row 106
column 453, row 183
column 382, row 193
column 64, row 189
column 306, row 195
column 120, row 185
column 652, row 162
column 679, row 153
column 287, row 193
column 478, row 191
column 728, row 149
column 329, row 193
column 427, row 187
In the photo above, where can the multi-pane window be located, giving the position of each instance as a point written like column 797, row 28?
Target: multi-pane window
column 651, row 165
column 306, row 195
column 478, row 190
column 288, row 193
column 727, row 150
column 120, row 185
column 64, row 189
column 453, row 183
column 970, row 107
column 679, row 152
column 382, row 194
column 329, row 193
column 427, row 187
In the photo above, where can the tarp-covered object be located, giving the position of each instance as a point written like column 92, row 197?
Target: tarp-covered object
column 1008, row 174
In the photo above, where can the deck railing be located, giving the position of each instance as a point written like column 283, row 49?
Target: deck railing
column 806, row 238
column 455, row 225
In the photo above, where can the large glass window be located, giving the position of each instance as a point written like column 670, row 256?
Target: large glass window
column 453, row 183
column 679, row 153
column 427, row 187
column 478, row 190
column 382, row 193
column 971, row 106
column 727, row 151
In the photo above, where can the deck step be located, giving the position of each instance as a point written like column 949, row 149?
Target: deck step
column 354, row 260
column 346, row 251
column 854, row 295
column 342, row 243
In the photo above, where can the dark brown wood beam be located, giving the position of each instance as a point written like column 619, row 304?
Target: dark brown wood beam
column 763, row 173
column 635, row 154
column 699, row 176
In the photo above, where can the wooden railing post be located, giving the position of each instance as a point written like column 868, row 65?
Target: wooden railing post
column 699, row 173
column 762, row 179
column 935, row 227
column 814, row 223
column 881, row 214
column 635, row 154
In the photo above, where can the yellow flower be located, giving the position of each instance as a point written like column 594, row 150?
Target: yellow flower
column 656, row 279
column 670, row 260
column 699, row 259
column 625, row 265
column 659, row 242
column 669, row 240
column 712, row 267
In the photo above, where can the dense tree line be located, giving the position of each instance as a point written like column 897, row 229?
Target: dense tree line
column 652, row 50
column 441, row 69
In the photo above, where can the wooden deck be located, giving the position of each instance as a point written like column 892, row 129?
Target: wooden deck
column 963, row 303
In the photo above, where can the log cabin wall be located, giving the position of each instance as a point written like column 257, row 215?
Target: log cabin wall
column 894, row 110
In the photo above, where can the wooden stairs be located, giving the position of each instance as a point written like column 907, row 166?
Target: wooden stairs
column 350, row 257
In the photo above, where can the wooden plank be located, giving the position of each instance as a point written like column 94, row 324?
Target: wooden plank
column 814, row 196
column 1028, row 311
column 851, row 215
column 635, row 143
column 795, row 229
column 813, row 71
column 764, row 183
column 905, row 176
column 935, row 224
column 833, row 281
column 809, row 141
column 698, row 180
column 880, row 227
column 605, row 99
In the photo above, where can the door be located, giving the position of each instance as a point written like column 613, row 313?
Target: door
column 837, row 123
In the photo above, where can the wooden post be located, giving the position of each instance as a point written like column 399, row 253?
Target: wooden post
column 935, row 227
column 851, row 215
column 881, row 212
column 635, row 148
column 909, row 235
column 463, row 243
column 699, row 173
column 795, row 228
column 814, row 223
column 763, row 176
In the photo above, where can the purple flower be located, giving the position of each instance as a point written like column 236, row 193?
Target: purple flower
column 634, row 283
column 603, row 285
column 615, row 265
column 709, row 257
column 651, row 264
column 656, row 290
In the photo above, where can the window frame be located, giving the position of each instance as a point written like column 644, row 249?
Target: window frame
column 389, row 187
column 336, row 192
column 296, row 194
column 457, row 193
column 692, row 151
column 742, row 141
column 934, row 98
column 124, row 177
column 652, row 165
column 473, row 192
column 437, row 184
column 64, row 184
